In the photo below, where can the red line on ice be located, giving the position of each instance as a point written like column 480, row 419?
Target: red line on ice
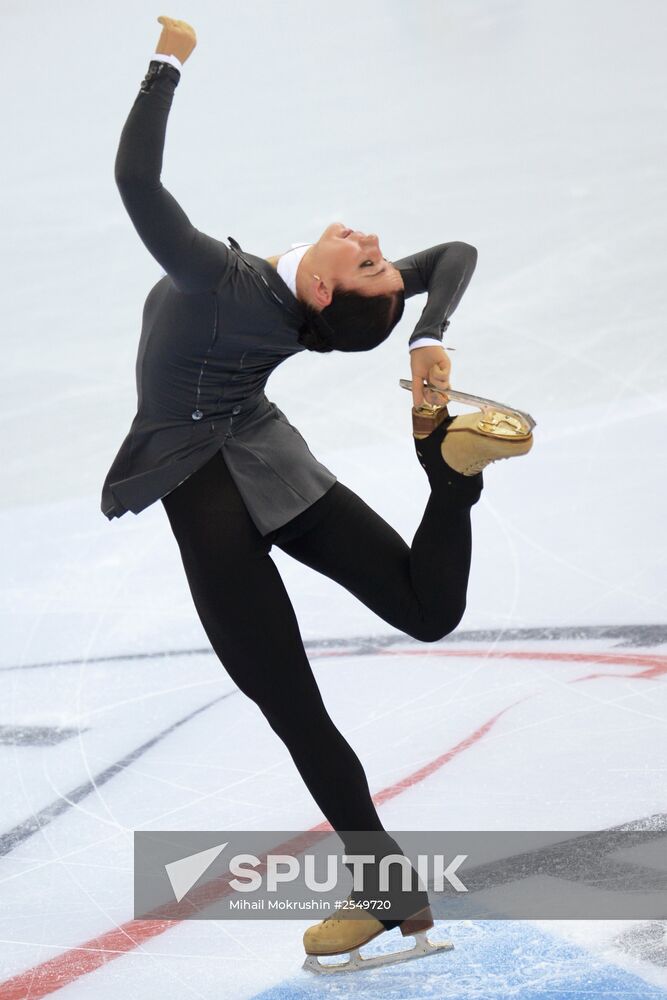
column 52, row 975
column 654, row 664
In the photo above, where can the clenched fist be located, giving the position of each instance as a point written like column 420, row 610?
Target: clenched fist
column 177, row 39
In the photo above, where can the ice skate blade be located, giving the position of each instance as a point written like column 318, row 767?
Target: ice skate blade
column 356, row 962
column 522, row 423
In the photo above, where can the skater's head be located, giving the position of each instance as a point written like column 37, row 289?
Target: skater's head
column 353, row 296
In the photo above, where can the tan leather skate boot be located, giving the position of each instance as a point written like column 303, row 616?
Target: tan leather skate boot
column 467, row 444
column 353, row 927
column 475, row 440
column 350, row 928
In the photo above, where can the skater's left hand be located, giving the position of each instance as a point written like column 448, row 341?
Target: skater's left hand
column 432, row 364
column 178, row 38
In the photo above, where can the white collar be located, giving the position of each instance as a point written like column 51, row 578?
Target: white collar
column 289, row 262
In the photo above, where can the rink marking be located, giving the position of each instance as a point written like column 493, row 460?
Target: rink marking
column 52, row 975
column 493, row 960
column 630, row 635
column 49, row 976
column 654, row 665
column 67, row 800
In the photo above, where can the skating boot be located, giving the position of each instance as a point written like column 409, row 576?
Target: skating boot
column 353, row 927
column 470, row 442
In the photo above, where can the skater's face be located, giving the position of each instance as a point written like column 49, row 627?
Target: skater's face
column 355, row 261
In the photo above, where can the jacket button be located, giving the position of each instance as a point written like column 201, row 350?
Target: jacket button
column 197, row 415
column 237, row 409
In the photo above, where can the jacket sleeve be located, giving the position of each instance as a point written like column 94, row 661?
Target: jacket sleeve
column 195, row 262
column 443, row 271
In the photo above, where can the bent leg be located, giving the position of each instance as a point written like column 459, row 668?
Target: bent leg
column 250, row 622
column 420, row 589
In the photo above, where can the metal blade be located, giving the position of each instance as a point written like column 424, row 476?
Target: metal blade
column 422, row 948
column 479, row 401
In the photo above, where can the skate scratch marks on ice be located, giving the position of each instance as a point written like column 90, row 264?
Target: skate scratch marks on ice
column 52, row 975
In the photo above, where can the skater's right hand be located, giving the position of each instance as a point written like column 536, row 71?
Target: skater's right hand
column 178, row 38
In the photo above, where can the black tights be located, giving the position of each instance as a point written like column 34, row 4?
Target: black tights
column 250, row 622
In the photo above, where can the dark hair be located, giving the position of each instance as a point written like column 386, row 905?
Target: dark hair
column 352, row 322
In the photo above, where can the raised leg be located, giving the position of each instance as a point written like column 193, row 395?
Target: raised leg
column 419, row 589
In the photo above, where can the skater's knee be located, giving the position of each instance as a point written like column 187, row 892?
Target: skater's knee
column 293, row 715
column 432, row 633
column 434, row 629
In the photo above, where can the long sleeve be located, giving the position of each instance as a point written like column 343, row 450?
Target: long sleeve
column 444, row 272
column 195, row 262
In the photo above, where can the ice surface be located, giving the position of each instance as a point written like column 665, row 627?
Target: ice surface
column 535, row 131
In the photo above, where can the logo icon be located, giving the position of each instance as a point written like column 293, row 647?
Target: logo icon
column 186, row 871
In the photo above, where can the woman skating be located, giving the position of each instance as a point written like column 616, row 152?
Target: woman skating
column 235, row 477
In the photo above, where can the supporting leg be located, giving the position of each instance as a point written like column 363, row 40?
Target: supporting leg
column 250, row 622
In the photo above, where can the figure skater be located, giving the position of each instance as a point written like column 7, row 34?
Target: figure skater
column 235, row 477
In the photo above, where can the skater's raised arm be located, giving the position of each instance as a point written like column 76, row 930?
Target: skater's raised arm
column 444, row 272
column 195, row 262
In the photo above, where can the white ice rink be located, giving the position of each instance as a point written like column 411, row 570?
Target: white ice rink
column 535, row 131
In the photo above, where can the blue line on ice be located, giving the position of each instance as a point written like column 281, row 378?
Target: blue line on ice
column 507, row 959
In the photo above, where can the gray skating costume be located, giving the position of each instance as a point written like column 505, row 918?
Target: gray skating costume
column 214, row 328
